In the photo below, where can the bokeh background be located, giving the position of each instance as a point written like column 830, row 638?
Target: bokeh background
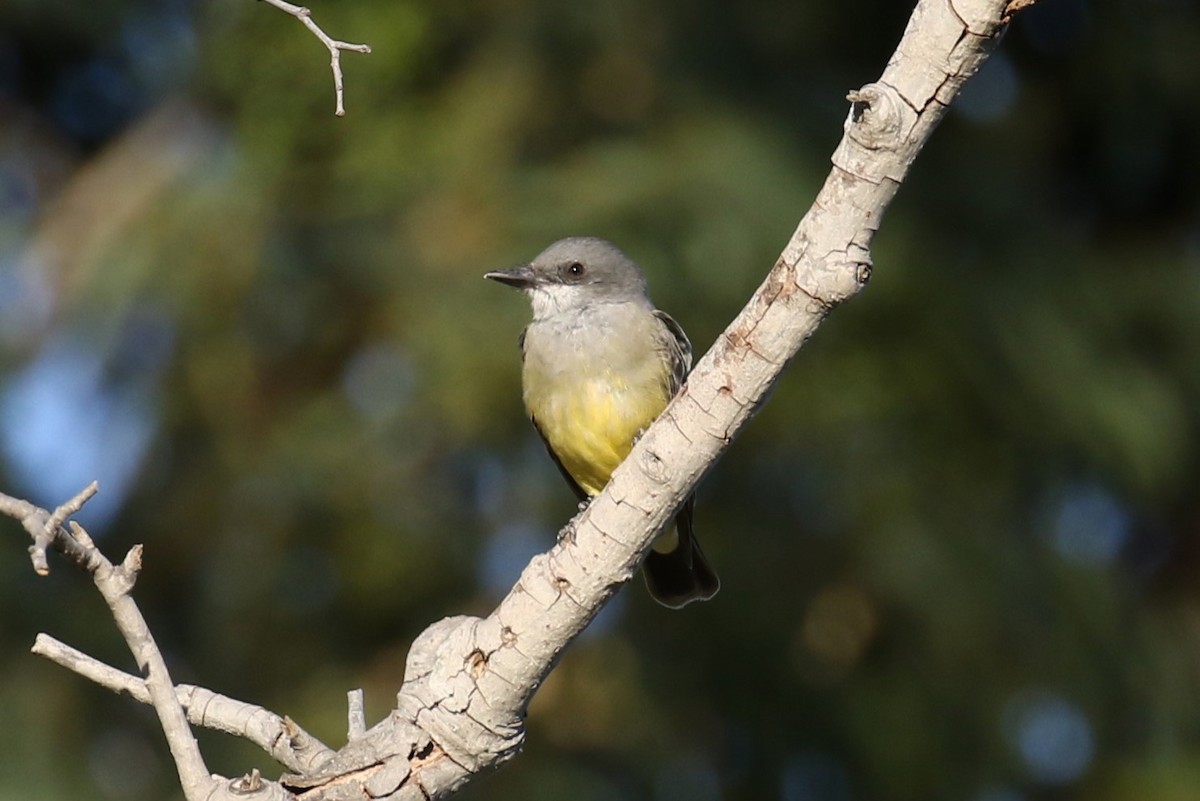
column 959, row 545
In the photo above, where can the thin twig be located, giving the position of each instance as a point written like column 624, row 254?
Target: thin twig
column 49, row 529
column 114, row 583
column 279, row 736
column 34, row 518
column 334, row 46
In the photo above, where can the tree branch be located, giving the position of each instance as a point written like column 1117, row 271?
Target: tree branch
column 279, row 736
column 468, row 681
column 37, row 522
column 334, row 46
column 114, row 583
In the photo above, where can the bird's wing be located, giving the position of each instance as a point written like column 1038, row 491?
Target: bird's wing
column 678, row 350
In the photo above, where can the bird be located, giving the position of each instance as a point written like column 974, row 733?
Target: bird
column 599, row 363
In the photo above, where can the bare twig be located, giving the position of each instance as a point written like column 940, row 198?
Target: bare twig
column 279, row 736
column 34, row 518
column 37, row 551
column 114, row 583
column 334, row 46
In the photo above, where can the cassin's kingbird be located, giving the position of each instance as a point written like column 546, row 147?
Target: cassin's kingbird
column 599, row 364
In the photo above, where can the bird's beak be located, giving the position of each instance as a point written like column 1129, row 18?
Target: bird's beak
column 522, row 276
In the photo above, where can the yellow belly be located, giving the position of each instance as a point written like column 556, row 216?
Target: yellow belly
column 591, row 426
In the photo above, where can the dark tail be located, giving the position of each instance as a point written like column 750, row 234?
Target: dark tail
column 677, row 578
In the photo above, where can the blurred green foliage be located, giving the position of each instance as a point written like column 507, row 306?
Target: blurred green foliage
column 958, row 545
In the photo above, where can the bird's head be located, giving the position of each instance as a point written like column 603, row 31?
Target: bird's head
column 575, row 273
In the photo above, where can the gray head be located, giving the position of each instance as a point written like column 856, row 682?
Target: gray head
column 575, row 273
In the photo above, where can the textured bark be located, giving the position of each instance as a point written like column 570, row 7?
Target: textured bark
column 468, row 681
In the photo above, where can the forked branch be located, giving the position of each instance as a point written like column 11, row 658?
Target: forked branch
column 334, row 46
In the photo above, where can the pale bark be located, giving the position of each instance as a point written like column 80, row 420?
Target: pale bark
column 468, row 681
column 334, row 46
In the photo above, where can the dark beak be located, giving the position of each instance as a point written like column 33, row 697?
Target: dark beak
column 522, row 277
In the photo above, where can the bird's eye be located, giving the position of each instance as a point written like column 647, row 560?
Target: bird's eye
column 574, row 270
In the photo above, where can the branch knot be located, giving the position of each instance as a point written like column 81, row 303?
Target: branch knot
column 652, row 465
column 875, row 118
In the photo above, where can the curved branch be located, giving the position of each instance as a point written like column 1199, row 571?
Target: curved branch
column 468, row 681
